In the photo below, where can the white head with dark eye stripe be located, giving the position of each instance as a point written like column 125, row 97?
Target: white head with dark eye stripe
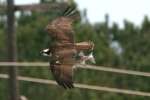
column 46, row 52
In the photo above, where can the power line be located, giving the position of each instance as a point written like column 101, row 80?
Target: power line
column 82, row 86
column 115, row 70
column 24, row 64
column 91, row 67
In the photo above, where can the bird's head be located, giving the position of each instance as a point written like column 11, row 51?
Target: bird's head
column 46, row 52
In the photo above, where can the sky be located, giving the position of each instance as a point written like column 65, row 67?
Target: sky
column 118, row 10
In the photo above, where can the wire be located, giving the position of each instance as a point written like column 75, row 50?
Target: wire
column 115, row 70
column 24, row 64
column 82, row 86
column 91, row 67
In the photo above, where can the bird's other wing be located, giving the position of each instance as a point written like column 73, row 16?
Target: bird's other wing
column 61, row 30
column 62, row 67
column 63, row 74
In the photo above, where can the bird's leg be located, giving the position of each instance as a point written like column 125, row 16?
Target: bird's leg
column 84, row 46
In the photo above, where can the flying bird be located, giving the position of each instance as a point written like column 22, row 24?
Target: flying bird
column 64, row 53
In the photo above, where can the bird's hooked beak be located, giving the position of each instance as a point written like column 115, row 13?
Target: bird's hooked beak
column 45, row 52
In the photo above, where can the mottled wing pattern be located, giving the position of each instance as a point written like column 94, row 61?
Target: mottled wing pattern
column 62, row 60
column 61, row 30
column 63, row 74
column 62, row 65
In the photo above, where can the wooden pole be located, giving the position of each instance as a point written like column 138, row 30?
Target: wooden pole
column 11, row 39
column 12, row 51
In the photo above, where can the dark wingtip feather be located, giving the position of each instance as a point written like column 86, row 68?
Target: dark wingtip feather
column 65, row 84
column 70, row 10
column 69, row 84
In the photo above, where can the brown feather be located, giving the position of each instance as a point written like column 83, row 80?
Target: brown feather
column 64, row 50
column 61, row 30
column 62, row 65
column 63, row 74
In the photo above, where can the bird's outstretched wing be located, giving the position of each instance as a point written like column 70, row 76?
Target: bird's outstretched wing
column 61, row 30
column 61, row 66
column 63, row 74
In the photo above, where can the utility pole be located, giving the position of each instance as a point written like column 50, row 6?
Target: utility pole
column 107, row 20
column 12, row 51
column 11, row 38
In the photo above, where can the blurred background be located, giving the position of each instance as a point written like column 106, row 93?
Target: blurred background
column 119, row 29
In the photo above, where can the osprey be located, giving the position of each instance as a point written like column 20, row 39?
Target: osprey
column 64, row 54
